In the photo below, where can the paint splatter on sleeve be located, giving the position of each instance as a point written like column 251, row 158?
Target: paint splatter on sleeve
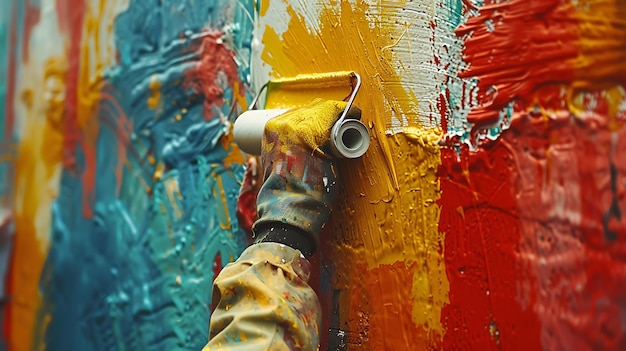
column 265, row 303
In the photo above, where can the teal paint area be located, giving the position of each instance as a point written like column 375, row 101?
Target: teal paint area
column 5, row 22
column 137, row 274
column 7, row 151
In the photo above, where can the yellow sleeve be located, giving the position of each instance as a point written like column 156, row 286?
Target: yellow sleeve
column 265, row 303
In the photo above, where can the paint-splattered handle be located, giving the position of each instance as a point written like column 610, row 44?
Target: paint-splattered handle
column 300, row 180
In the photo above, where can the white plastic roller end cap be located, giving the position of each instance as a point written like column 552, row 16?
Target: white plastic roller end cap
column 349, row 139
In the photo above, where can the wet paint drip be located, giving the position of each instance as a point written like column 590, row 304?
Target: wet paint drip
column 450, row 106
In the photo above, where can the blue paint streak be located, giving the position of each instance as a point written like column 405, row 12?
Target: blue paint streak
column 455, row 12
column 137, row 276
column 5, row 23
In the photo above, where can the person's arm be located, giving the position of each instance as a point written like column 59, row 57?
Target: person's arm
column 265, row 302
column 263, row 299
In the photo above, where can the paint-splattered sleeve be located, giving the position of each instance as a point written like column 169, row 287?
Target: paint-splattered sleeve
column 264, row 302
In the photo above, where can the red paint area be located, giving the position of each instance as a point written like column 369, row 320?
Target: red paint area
column 537, row 219
column 514, row 46
column 70, row 15
column 246, row 202
column 480, row 218
column 572, row 200
column 217, row 268
column 217, row 264
column 215, row 71
column 538, row 215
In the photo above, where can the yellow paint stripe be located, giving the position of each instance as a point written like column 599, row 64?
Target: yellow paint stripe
column 387, row 211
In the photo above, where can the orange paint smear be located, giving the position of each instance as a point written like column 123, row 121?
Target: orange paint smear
column 155, row 93
column 68, row 94
column 24, row 304
column 376, row 300
column 94, row 59
column 38, row 167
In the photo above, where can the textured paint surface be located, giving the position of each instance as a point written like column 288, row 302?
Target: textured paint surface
column 539, row 209
column 126, row 180
column 488, row 213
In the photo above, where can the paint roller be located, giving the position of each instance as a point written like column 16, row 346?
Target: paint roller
column 349, row 137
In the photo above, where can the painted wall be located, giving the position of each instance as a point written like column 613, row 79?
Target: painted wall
column 486, row 215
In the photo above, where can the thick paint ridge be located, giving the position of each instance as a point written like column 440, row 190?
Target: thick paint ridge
column 533, row 44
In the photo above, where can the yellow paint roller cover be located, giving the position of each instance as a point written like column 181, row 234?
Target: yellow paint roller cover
column 308, row 125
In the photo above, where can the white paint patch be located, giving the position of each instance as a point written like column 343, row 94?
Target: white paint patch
column 259, row 70
column 45, row 41
column 278, row 19
column 413, row 53
column 427, row 57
